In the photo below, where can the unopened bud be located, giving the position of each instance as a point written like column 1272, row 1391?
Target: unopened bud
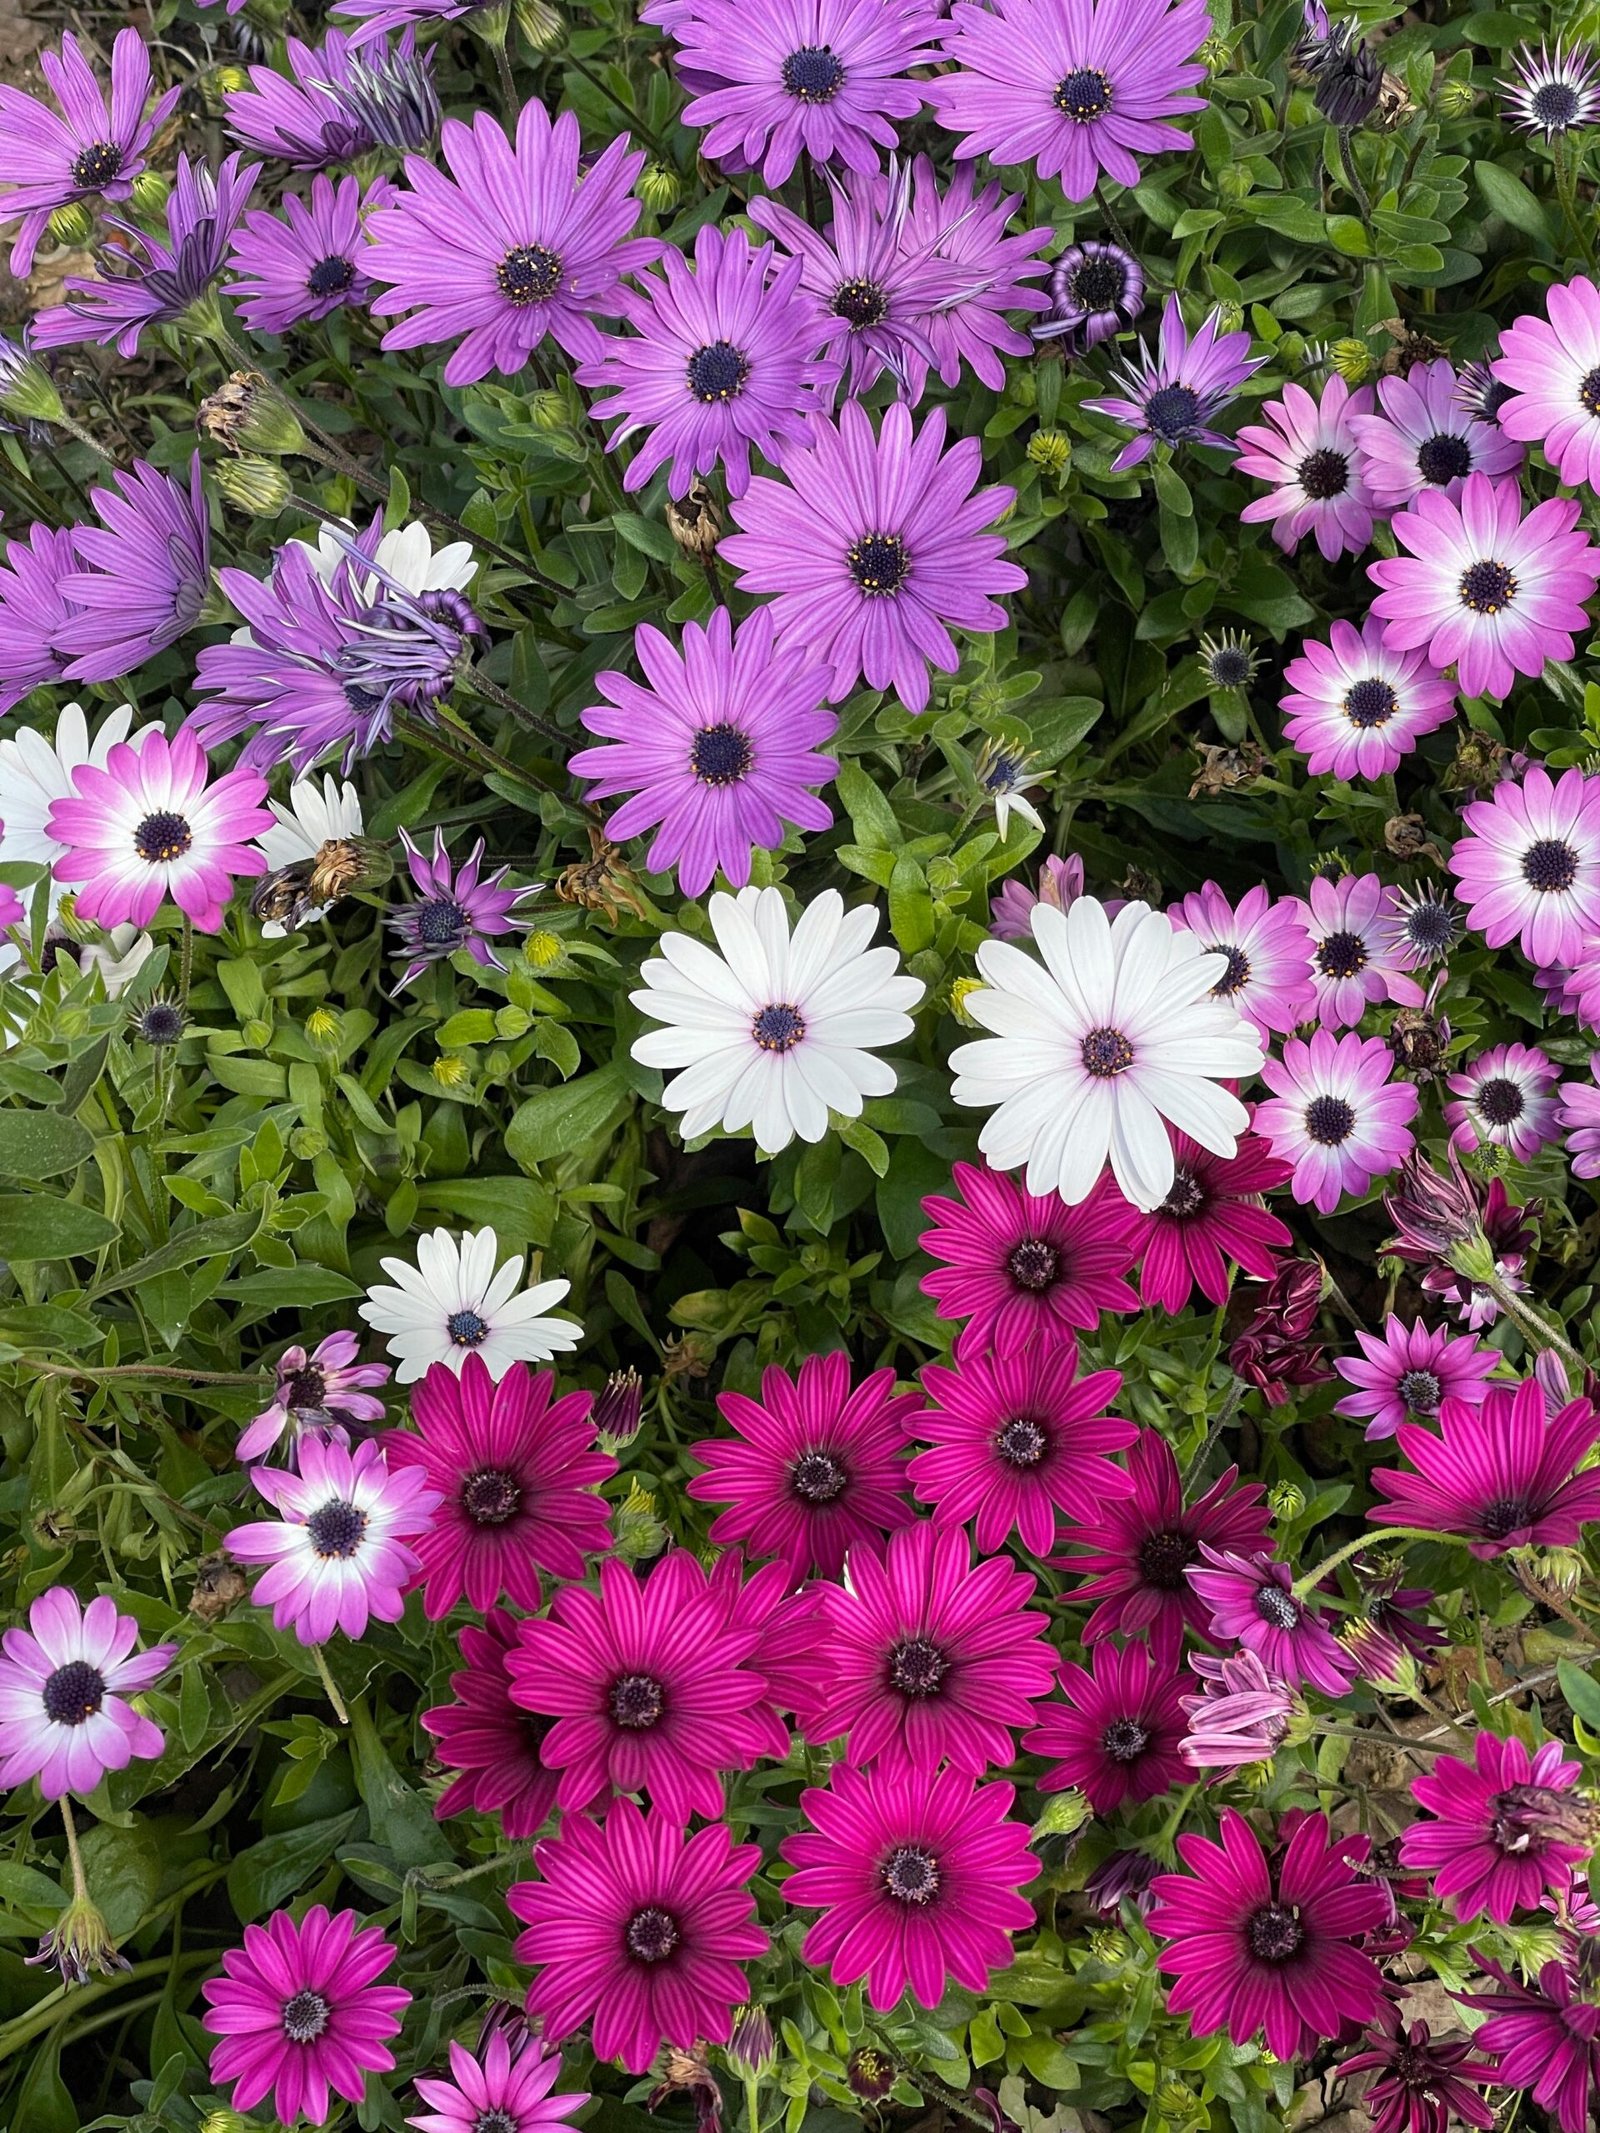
column 323, row 1027
column 1050, row 451
column 1235, row 181
column 1455, row 98
column 258, row 487
column 26, row 387
column 451, row 1071
column 752, row 2049
column 72, row 224
column 226, row 2121
column 1287, row 1499
column 246, row 415
column 640, row 1533
column 618, row 1408
column 229, row 81
column 659, row 188
column 540, row 25
column 696, row 522
column 1063, row 1813
column 1230, row 318
column 1352, row 359
column 961, row 992
column 150, row 191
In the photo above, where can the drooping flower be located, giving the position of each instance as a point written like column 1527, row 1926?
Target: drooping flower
column 1096, row 288
column 1060, row 883
column 336, row 101
column 305, row 263
column 1174, row 394
column 1405, row 1372
column 314, row 819
column 1421, row 2083
column 320, row 1391
column 1241, row 1715
column 1578, row 1117
column 1123, row 1877
column 1544, row 2039
column 1094, row 1052
column 1505, row 1098
column 1391, row 1633
column 143, row 573
column 1258, row 1944
column 1253, row 1604
column 1425, row 439
column 65, row 1687
column 1501, row 1830
column 967, row 230
column 1552, row 92
column 904, row 551
column 456, row 1302
column 1309, row 451
column 1336, row 1115
column 1355, row 707
column 778, row 1029
column 814, row 1470
column 1528, row 868
column 495, row 1746
column 300, row 2013
column 1211, row 1221
column 34, row 611
column 915, row 1874
column 459, row 910
column 1277, row 1350
column 1117, row 1735
column 37, row 769
column 1437, row 1216
column 1355, row 948
column 502, row 2089
column 1268, row 974
column 720, row 748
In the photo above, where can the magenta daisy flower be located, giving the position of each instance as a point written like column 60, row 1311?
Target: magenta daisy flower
column 1500, row 1475
column 1240, row 1716
column 1505, row 1098
column 1425, row 440
column 1504, row 1828
column 1307, row 449
column 1579, row 1119
column 1020, row 1266
column 300, row 2013
column 458, row 910
column 65, row 1685
column 1484, row 589
column 1258, row 1944
column 1268, row 978
column 1253, row 1604
column 814, row 1469
column 515, row 1472
column 1529, row 868
column 1551, row 367
column 143, row 573
column 925, row 1656
column 500, row 2090
column 1356, row 707
column 1174, row 395
column 640, row 1929
column 495, row 1746
column 35, row 615
column 719, row 748
column 1420, row 2083
column 1018, row 1440
column 306, row 263
column 1072, row 89
column 873, row 546
column 1210, row 1222
column 1336, row 1115
column 320, row 1391
column 1356, row 948
column 1117, row 1736
column 149, row 826
column 1546, row 2041
column 515, row 244
column 1404, row 1373
column 916, row 1875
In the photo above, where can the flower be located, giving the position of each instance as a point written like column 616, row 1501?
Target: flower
column 1407, row 1370
column 1309, row 451
column 515, row 1470
column 1275, row 1351
column 1228, row 661
column 1484, row 589
column 36, row 771
column 1529, row 867
column 1241, row 1715
column 1426, row 439
column 1072, row 90
column 143, row 573
column 1116, row 1737
column 966, row 231
column 1335, row 1115
column 1442, row 1219
column 1430, row 927
column 65, row 1686
column 34, row 612
column 336, row 101
column 1550, row 366
column 1119, row 1032
column 337, row 1552
column 1174, row 395
column 1552, row 92
column 1346, row 75
column 640, row 1928
column 1356, row 708
column 314, row 819
column 1504, row 1830
column 1060, row 882
column 1499, row 1475
column 814, row 1470
column 1578, row 1117
column 319, row 1391
column 1096, row 288
column 925, row 1656
column 1422, row 2083
column 1505, row 1099
column 1545, row 2040
column 1017, row 1266
column 1355, row 948
column 903, row 552
column 299, row 2013
column 1253, row 1603
column 1268, row 974
column 1390, row 1633
column 915, row 1874
column 485, row 1735
column 92, row 151
column 720, row 747
column 148, row 826
column 1259, row 1944
column 779, row 1029
column 456, row 912
column 1015, row 1440
column 1119, row 1878
column 455, row 1301
column 513, row 245
column 1211, row 1220
column 305, row 263
column 505, row 2090
column 1003, row 773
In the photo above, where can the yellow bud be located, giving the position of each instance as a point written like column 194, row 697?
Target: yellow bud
column 1352, row 359
column 72, row 224
column 659, row 188
column 1050, row 451
column 258, row 487
column 543, row 950
column 150, row 190
column 960, row 993
column 323, row 1027
column 1455, row 98
column 451, row 1071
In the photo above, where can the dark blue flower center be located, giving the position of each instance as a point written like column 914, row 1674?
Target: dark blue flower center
column 1098, row 283
column 1033, row 1264
column 1549, row 866
column 496, row 2121
column 813, row 74
column 1419, row 1391
column 1106, row 1053
column 1342, row 955
column 1324, row 474
column 337, row 1529
column 95, row 166
column 1329, row 1120
column 817, row 1477
column 162, row 1022
column 860, row 303
column 717, row 372
column 491, row 1496
column 1501, row 1101
column 651, row 1934
column 637, row 1702
column 878, row 563
column 162, row 837
column 911, row 1875
column 73, row 1693
column 1278, row 1607
column 720, row 755
column 305, row 2017
column 1430, row 924
column 1369, row 703
column 305, row 1391
column 1187, row 1196
column 330, row 276
column 1229, row 667
column 1487, row 587
column 1171, row 412
column 441, row 922
column 529, row 274
column 1443, row 458
column 1236, row 974
column 1555, row 104
column 1021, row 1443
column 1165, row 1556
column 1125, row 1740
column 1083, row 95
column 917, row 1667
column 778, row 1028
column 1507, row 1514
column 466, row 1329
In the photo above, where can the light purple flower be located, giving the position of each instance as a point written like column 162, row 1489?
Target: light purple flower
column 1404, row 1372
column 1529, row 867
column 319, row 1391
column 1336, row 1115
column 1424, row 438
column 1241, row 1714
column 1356, row 706
column 456, row 911
column 336, row 101
column 308, row 261
column 1174, row 395
column 1355, row 948
column 65, row 1681
column 1307, row 450
column 1579, row 1119
column 966, row 229
column 1253, row 1604
column 1505, row 1099
column 1552, row 92
column 1268, row 978
column 143, row 573
column 34, row 612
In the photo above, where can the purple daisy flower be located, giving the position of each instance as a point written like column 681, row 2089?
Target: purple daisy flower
column 455, row 911
column 966, row 229
column 499, row 2090
column 719, row 749
column 1307, row 449
column 725, row 358
column 1552, row 91
column 1529, row 868
column 336, row 101
column 1425, row 439
column 1117, row 1735
column 1268, row 978
column 1355, row 948
column 1096, row 288
column 1336, row 1115
column 515, row 244
column 1545, row 2040
column 320, row 1391
column 1253, row 1604
column 143, row 573
column 1505, row 1098
column 1174, row 395
column 1060, row 884
column 92, row 151
column 1500, row 1831
column 1406, row 1371
column 1421, row 2083
column 65, row 1682
column 307, row 262
column 1552, row 368
column 1579, row 1119
column 902, row 553
column 1356, row 706
column 1074, row 87
column 34, row 612
column 1240, row 1716
column 144, row 282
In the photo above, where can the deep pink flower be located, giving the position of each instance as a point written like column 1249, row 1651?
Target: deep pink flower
column 1117, row 1735
column 1211, row 1221
column 1356, row 943
column 1545, row 2040
column 1407, row 1371
column 504, row 2089
column 1422, row 2083
column 1505, row 1828
column 1498, row 1476
column 497, row 1747
column 1240, row 1716
column 1336, row 1114
column 1253, row 1603
column 1268, row 978
column 1307, row 450
column 65, row 1681
column 1529, row 868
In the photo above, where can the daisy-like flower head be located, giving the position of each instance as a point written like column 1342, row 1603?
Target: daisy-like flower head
column 459, row 910
column 143, row 573
column 1500, row 1830
column 1529, row 868
column 320, row 1391
column 1425, row 438
column 37, row 769
column 778, row 1029
column 65, row 1684
column 1253, row 1604
column 1550, row 368
column 495, row 1747
column 456, row 1302
column 1420, row 2083
column 1336, row 1115
column 1241, row 1714
column 1073, row 90
column 965, row 229
column 34, row 611
column 514, row 244
column 338, row 1551
column 1430, row 925
column 1210, row 1222
column 315, row 817
column 719, row 747
column 1308, row 450
column 1118, row 1033
column 1579, row 1119
column 1355, row 948
column 1117, row 1735
column 873, row 546
column 1408, row 1371
column 1543, row 2039
column 1505, row 1098
column 1483, row 588
column 500, row 2090
column 1096, row 288
column 1552, row 92
column 1174, row 394
column 1268, row 950
column 1228, row 661
column 1356, row 707
column 336, row 101
column 308, row 261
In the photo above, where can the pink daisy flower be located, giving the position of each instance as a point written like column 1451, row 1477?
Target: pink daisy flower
column 925, row 1656
column 1336, row 1115
column 1529, row 868
column 1546, row 2041
column 1425, row 440
column 1579, row 1119
column 1407, row 1371
column 1060, row 884
column 640, row 1929
column 503, row 2091
column 1357, row 707
column 514, row 1472
column 1253, row 1604
column 1356, row 949
column 1268, row 978
column 814, row 1469
column 1210, row 1222
column 1505, row 1098
column 65, row 1684
column 1017, row 1440
column 1241, row 1714
column 300, row 2013
column 496, row 1746
column 319, row 1391
column 1117, row 1736
column 1551, row 369
column 1020, row 1266
column 916, row 1876
column 1505, row 1827
column 1307, row 449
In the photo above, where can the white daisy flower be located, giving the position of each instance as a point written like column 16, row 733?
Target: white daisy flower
column 34, row 772
column 1093, row 1054
column 117, row 956
column 407, row 554
column 315, row 816
column 776, row 1031
column 454, row 1303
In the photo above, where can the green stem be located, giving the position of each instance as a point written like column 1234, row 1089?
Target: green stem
column 752, row 2100
column 1567, row 194
column 461, row 746
column 80, row 1880
column 1225, row 1407
column 73, row 428
column 634, row 120
column 97, row 1374
column 1319, row 1571
column 492, row 693
column 339, row 1711
column 1546, row 1335
column 1352, row 177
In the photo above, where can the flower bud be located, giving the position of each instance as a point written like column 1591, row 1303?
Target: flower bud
column 1230, row 318
column 150, row 191
column 323, row 1027
column 258, row 487
column 1352, row 359
column 26, row 387
column 752, row 2049
column 451, row 1071
column 695, row 523
column 226, row 2121
column 1050, row 451
column 960, row 993
column 1235, row 182
column 540, row 25
column 1286, row 1499
column 659, row 188
column 1455, row 98
column 1063, row 1813
column 543, row 950
column 72, row 224
column 246, row 415
column 640, row 1533
column 618, row 1407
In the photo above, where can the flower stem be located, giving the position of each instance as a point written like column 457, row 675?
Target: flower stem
column 752, row 2100
column 1352, row 177
column 80, row 1880
column 503, row 700
column 1225, row 1407
column 1546, row 1335
column 339, row 1711
column 1319, row 1571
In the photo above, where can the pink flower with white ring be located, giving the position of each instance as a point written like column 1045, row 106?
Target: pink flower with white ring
column 1505, row 1098
column 1579, row 1119
column 1268, row 978
column 1552, row 366
column 65, row 1681
column 1356, row 944
column 1529, row 867
column 1336, row 1115
column 1356, row 706
column 1424, row 440
column 1307, row 450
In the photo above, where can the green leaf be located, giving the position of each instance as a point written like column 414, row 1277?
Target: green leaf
column 473, row 1025
column 37, row 1225
column 871, row 816
column 216, row 1239
column 49, row 1326
column 402, row 1822
column 263, row 1878
column 1510, row 199
column 41, row 1144
column 555, row 1122
column 1580, row 1692
column 24, row 1888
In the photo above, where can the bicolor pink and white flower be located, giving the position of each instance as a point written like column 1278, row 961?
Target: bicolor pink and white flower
column 1308, row 451
column 66, row 1682
column 1356, row 706
column 1528, row 868
column 1505, row 1098
column 1337, row 1115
